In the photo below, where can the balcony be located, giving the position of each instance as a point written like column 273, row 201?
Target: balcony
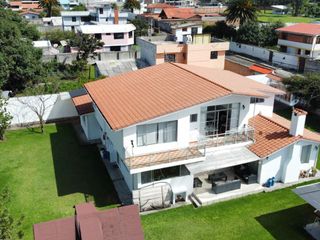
column 149, row 160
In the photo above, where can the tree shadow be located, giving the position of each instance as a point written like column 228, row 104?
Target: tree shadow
column 78, row 169
column 288, row 223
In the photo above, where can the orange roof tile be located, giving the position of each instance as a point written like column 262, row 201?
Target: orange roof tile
column 160, row 5
column 178, row 13
column 141, row 95
column 272, row 134
column 260, row 69
column 274, row 77
column 83, row 104
column 310, row 29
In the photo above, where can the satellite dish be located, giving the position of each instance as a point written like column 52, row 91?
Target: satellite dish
column 294, row 102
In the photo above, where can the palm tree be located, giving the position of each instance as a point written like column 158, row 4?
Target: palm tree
column 242, row 10
column 131, row 4
column 48, row 4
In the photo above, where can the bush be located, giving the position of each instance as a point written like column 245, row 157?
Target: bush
column 56, row 36
column 220, row 30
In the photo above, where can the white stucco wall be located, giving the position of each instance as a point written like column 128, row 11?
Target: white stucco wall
column 58, row 106
column 90, row 126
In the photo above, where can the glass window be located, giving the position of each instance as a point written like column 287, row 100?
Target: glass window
column 194, row 30
column 97, row 36
column 193, row 117
column 101, row 10
column 118, row 36
column 256, row 100
column 115, row 48
column 74, row 19
column 157, row 133
column 130, row 34
column 305, row 153
column 170, row 57
column 184, row 29
column 164, row 173
column 213, row 55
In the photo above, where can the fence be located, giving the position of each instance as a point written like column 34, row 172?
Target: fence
column 57, row 107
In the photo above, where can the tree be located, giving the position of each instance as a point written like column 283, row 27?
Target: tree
column 48, row 5
column 269, row 36
column 80, row 7
column 10, row 228
column 221, row 30
column 298, row 6
column 55, row 36
column 38, row 101
column 249, row 33
column 5, row 118
column 87, row 46
column 305, row 87
column 131, row 4
column 141, row 27
column 242, row 10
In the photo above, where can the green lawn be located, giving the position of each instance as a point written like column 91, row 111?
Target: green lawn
column 269, row 17
column 274, row 215
column 47, row 174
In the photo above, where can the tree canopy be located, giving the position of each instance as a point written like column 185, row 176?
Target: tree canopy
column 131, row 4
column 48, row 5
column 20, row 61
column 141, row 27
column 242, row 11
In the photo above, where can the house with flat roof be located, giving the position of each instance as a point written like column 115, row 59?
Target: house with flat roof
column 185, row 47
column 120, row 223
column 302, row 39
column 176, row 131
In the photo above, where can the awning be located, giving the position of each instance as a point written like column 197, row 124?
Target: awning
column 223, row 158
column 310, row 193
column 260, row 69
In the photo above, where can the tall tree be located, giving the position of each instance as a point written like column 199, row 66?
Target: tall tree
column 48, row 5
column 298, row 6
column 141, row 27
column 305, row 87
column 5, row 118
column 242, row 11
column 131, row 4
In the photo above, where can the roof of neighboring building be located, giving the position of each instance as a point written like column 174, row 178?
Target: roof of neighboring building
column 83, row 104
column 260, row 69
column 25, row 5
column 183, row 25
column 160, row 5
column 107, row 28
column 112, row 224
column 272, row 134
column 178, row 13
column 274, row 77
column 115, row 67
column 141, row 95
column 310, row 29
column 29, row 12
column 281, row 7
column 74, row 13
column 41, row 44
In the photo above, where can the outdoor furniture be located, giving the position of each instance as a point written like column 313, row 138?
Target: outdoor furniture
column 221, row 176
column 197, row 183
column 221, row 187
column 244, row 173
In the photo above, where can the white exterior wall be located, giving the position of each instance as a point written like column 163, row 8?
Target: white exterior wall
column 179, row 33
column 90, row 126
column 285, row 165
column 190, row 132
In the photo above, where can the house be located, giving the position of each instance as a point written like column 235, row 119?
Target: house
column 29, row 15
column 73, row 19
column 68, row 4
column 120, row 223
column 24, row 6
column 198, row 49
column 174, row 131
column 116, row 37
column 302, row 39
column 156, row 8
column 279, row 9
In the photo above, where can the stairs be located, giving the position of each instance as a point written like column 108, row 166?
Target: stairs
column 195, row 200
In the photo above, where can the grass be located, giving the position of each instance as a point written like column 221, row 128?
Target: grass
column 274, row 215
column 269, row 17
column 47, row 174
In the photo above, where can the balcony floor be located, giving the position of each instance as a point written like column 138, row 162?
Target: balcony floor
column 162, row 157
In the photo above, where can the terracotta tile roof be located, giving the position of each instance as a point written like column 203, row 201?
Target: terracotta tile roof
column 260, row 69
column 25, row 5
column 178, row 13
column 160, row 5
column 83, row 104
column 137, row 96
column 309, row 29
column 274, row 77
column 272, row 134
column 234, row 82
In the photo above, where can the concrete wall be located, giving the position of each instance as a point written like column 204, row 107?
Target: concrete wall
column 90, row 126
column 58, row 106
column 148, row 51
column 237, row 68
column 284, row 60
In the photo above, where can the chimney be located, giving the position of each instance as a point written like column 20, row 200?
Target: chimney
column 298, row 120
column 116, row 16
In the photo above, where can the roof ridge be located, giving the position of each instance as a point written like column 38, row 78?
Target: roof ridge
column 206, row 79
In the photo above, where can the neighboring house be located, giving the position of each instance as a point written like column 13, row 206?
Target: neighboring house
column 68, row 4
column 190, row 13
column 29, row 15
column 46, row 47
column 199, row 49
column 182, row 30
column 156, row 8
column 115, row 37
column 279, row 9
column 302, row 39
column 24, row 6
column 166, row 127
column 52, row 21
column 120, row 223
column 100, row 14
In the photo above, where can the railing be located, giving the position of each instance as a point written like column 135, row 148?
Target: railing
column 195, row 151
column 229, row 137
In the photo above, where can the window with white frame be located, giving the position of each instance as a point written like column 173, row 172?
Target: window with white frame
column 305, row 153
column 157, row 133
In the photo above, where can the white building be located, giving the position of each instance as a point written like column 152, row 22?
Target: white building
column 170, row 128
